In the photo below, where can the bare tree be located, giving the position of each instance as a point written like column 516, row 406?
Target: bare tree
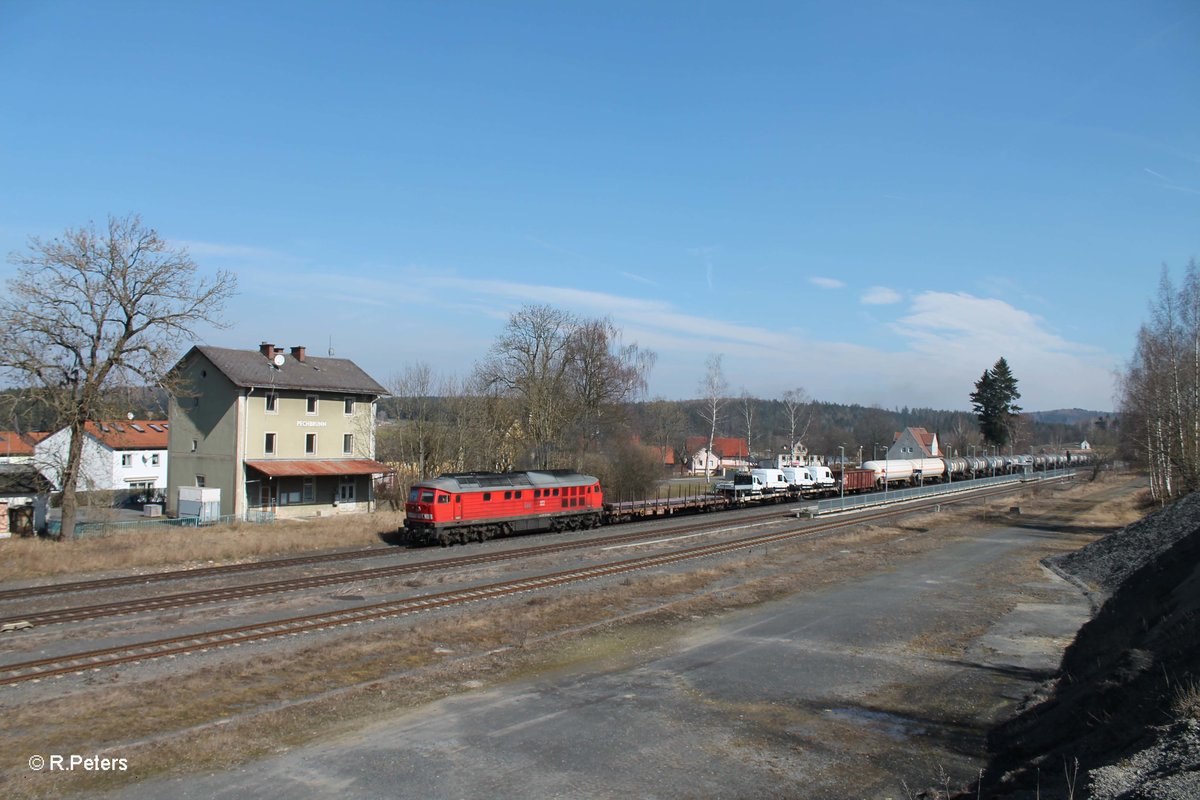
column 603, row 374
column 420, row 433
column 799, row 409
column 92, row 313
column 666, row 428
column 747, row 409
column 564, row 374
column 530, row 362
column 1160, row 390
column 715, row 390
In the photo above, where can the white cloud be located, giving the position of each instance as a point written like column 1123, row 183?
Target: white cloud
column 881, row 296
column 827, row 283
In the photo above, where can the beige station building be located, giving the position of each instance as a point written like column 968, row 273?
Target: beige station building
column 268, row 432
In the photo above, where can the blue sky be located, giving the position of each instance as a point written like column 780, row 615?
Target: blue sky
column 873, row 201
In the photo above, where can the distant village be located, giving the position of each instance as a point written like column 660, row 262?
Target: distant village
column 275, row 433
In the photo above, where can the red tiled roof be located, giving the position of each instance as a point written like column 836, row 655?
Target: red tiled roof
column 130, row 434
column 19, row 444
column 723, row 446
column 287, row 467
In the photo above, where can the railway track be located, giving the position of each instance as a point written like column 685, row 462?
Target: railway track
column 173, row 646
column 223, row 594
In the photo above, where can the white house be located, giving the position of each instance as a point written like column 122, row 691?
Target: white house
column 912, row 443
column 130, row 455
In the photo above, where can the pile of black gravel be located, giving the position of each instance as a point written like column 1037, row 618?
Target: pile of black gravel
column 1106, row 563
column 1112, row 727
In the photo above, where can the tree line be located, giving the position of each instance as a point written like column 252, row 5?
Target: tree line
column 1160, row 389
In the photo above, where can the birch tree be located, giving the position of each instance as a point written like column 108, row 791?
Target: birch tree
column 714, row 389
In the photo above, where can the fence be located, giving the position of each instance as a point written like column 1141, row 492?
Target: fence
column 852, row 502
column 155, row 524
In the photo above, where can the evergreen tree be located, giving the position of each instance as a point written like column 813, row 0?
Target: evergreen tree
column 993, row 403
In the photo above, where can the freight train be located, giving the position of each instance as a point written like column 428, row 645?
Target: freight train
column 477, row 506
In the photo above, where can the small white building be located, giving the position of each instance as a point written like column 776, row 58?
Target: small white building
column 130, row 455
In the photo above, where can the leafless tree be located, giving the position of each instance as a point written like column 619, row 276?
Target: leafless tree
column 714, row 389
column 91, row 313
column 1160, row 389
column 603, row 374
column 747, row 409
column 530, row 362
column 419, row 431
column 563, row 373
column 666, row 429
column 799, row 409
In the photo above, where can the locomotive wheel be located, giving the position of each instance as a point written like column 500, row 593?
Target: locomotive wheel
column 443, row 538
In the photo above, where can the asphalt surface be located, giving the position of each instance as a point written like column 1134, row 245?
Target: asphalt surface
column 852, row 691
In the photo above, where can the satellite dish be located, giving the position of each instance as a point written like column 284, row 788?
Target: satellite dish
column 129, row 415
column 279, row 360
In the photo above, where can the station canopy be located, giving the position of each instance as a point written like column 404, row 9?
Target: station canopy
column 286, row 468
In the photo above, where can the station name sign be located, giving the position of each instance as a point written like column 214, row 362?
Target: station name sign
column 311, row 423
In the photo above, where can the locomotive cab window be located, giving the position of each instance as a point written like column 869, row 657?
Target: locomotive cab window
column 443, row 498
column 427, row 496
column 414, row 495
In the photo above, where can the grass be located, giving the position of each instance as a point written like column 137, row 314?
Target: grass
column 180, row 548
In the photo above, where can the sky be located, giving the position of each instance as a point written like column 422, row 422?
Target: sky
column 871, row 201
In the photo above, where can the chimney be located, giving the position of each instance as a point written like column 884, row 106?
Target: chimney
column 267, row 349
column 298, row 353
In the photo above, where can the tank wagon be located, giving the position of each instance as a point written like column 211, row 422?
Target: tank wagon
column 476, row 506
column 931, row 470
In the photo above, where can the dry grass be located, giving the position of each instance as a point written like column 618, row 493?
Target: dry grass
column 185, row 547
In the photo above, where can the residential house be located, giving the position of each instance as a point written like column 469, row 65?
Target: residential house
column 285, row 433
column 17, row 448
column 125, row 456
column 727, row 453
column 914, row 443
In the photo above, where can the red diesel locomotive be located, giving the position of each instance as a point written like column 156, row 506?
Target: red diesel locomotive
column 476, row 506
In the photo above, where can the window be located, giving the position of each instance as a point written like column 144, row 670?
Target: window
column 347, row 443
column 443, row 498
column 310, row 443
column 154, row 459
column 311, row 400
column 508, row 495
column 349, row 409
column 126, row 459
column 269, row 443
column 346, row 490
column 195, row 444
column 487, row 497
column 517, row 494
column 309, row 493
column 200, row 481
column 272, row 402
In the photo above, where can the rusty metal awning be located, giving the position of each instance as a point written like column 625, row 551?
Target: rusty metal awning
column 283, row 468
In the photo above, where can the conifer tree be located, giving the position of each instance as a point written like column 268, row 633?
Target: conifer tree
column 993, row 403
